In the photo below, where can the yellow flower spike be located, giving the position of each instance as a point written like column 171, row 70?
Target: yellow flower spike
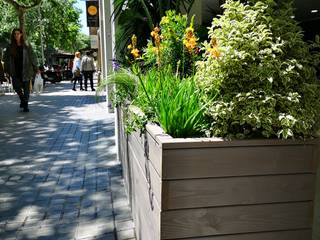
column 134, row 40
column 214, row 52
column 135, row 53
column 157, row 29
column 190, row 40
column 213, row 42
column 157, row 40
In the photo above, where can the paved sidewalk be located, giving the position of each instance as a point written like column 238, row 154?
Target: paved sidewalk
column 59, row 176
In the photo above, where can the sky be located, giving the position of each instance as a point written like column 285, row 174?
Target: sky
column 81, row 4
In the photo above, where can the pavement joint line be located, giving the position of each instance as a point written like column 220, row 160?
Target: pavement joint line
column 71, row 163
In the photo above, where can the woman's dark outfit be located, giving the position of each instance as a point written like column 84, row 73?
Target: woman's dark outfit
column 22, row 67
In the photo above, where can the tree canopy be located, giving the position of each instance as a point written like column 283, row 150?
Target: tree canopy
column 56, row 21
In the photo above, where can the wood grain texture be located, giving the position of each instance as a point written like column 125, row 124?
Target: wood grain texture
column 155, row 153
column 280, row 235
column 194, row 193
column 149, row 171
column 316, row 215
column 236, row 220
column 123, row 154
column 239, row 161
column 145, row 208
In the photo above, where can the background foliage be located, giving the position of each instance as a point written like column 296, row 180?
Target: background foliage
column 58, row 23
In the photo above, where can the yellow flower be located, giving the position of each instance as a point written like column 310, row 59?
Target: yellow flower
column 190, row 40
column 155, row 32
column 214, row 42
column 129, row 46
column 214, row 52
column 134, row 41
column 157, row 40
column 135, row 53
column 189, row 32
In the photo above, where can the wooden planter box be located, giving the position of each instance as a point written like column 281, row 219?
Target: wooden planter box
column 205, row 188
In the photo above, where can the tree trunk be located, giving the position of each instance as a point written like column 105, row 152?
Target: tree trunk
column 21, row 16
column 21, row 10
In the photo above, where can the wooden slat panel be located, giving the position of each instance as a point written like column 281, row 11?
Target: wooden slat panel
column 123, row 154
column 212, row 192
column 145, row 208
column 234, row 220
column 155, row 154
column 240, row 161
column 139, row 137
column 148, row 170
column 283, row 235
column 316, row 219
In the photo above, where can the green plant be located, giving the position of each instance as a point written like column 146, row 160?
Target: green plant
column 126, row 83
column 172, row 102
column 139, row 17
column 262, row 72
column 173, row 45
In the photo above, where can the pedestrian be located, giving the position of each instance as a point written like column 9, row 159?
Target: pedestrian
column 21, row 65
column 76, row 71
column 2, row 79
column 87, row 68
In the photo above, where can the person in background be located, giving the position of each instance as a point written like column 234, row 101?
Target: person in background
column 76, row 71
column 2, row 79
column 87, row 68
column 20, row 63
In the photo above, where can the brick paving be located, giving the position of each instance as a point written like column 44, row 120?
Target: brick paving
column 59, row 174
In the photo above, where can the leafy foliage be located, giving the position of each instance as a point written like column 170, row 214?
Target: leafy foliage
column 146, row 14
column 174, row 44
column 57, row 21
column 262, row 72
column 164, row 98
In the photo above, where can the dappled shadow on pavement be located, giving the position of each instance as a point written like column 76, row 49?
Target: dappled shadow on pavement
column 59, row 176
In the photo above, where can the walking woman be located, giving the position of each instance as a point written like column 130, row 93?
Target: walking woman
column 20, row 63
column 77, row 76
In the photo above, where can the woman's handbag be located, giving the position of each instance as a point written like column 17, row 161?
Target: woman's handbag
column 77, row 73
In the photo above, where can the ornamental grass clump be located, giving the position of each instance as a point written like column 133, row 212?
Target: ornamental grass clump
column 163, row 97
column 258, row 75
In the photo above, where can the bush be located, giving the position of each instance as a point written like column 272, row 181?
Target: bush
column 258, row 74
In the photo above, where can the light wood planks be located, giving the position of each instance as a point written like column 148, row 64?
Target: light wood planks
column 235, row 220
column 238, row 161
column 203, row 189
column 283, row 235
column 145, row 208
column 211, row 192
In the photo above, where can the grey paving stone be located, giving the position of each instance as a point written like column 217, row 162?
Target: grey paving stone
column 94, row 228
column 126, row 234
column 65, row 181
column 124, row 225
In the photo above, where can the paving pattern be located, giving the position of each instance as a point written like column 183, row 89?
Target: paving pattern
column 59, row 174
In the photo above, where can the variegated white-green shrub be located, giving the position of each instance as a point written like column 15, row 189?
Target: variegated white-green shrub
column 262, row 72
